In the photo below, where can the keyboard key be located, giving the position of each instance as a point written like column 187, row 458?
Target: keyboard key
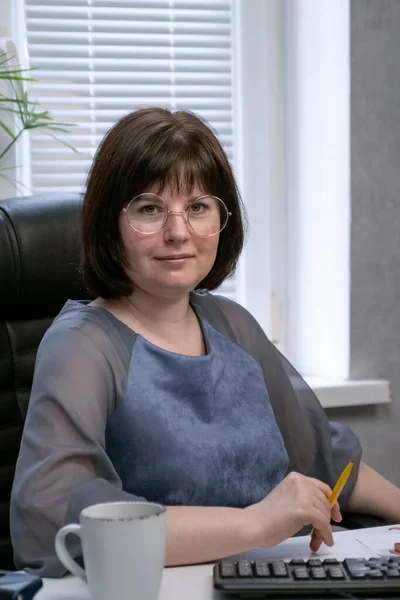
column 391, row 568
column 318, row 573
column 331, row 561
column 376, row 560
column 262, row 569
column 244, row 568
column 301, row 573
column 228, row 569
column 298, row 561
column 336, row 572
column 354, row 574
column 352, row 563
column 393, row 574
column 314, row 562
column 279, row 569
column 359, row 569
column 375, row 574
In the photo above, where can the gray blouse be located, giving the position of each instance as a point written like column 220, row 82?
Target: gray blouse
column 114, row 417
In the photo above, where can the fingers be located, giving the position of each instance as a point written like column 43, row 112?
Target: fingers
column 316, row 540
column 323, row 534
column 334, row 510
column 321, row 517
column 322, row 530
column 336, row 515
column 313, row 501
column 326, row 490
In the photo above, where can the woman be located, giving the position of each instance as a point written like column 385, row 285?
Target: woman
column 156, row 391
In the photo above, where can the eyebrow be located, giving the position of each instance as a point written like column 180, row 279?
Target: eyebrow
column 191, row 199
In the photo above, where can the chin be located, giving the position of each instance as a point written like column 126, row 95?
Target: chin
column 174, row 288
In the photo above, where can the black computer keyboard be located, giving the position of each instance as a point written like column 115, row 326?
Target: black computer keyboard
column 313, row 578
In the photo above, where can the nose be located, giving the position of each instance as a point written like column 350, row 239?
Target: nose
column 177, row 227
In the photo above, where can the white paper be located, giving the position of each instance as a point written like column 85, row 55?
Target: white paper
column 380, row 540
column 345, row 546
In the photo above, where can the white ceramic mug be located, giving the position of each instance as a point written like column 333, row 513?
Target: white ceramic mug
column 123, row 547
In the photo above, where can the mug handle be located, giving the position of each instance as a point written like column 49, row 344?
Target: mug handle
column 63, row 554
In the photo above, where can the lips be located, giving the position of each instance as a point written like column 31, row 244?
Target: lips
column 175, row 257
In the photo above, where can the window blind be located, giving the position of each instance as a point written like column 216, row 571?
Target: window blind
column 96, row 60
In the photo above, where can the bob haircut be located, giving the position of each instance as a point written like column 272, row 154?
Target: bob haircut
column 150, row 147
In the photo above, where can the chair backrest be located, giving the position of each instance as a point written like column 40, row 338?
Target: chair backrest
column 39, row 260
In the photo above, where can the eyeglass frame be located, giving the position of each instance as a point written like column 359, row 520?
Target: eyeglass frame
column 177, row 212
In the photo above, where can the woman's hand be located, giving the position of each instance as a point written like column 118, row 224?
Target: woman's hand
column 297, row 501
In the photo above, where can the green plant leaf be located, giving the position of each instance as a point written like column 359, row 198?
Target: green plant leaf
column 19, row 185
column 7, row 130
column 10, row 110
column 12, row 76
column 64, row 143
column 51, row 126
column 9, row 72
column 7, row 99
column 26, row 112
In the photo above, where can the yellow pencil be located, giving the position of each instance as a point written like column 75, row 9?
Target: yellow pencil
column 341, row 482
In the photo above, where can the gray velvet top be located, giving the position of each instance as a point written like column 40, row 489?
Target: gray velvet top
column 114, row 417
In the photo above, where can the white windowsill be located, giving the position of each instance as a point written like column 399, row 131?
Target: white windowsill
column 333, row 394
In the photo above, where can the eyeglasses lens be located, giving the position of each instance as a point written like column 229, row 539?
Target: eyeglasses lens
column 148, row 213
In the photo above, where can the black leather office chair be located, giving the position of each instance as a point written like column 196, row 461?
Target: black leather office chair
column 39, row 259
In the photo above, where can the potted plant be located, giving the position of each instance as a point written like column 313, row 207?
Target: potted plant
column 18, row 113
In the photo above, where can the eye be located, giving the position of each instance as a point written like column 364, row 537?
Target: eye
column 150, row 209
column 198, row 208
column 145, row 209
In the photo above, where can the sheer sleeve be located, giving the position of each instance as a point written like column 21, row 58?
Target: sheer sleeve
column 315, row 446
column 62, row 465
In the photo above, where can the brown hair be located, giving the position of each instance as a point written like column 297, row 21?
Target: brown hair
column 153, row 146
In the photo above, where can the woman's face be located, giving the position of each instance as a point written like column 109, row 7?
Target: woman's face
column 172, row 261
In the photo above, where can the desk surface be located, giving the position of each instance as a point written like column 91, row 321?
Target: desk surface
column 195, row 582
column 180, row 583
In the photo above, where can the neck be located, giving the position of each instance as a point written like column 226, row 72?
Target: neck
column 158, row 312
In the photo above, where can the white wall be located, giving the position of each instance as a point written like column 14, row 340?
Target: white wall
column 16, row 158
column 5, row 18
column 7, row 188
column 318, row 180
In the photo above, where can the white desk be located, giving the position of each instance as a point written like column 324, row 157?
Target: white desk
column 195, row 582
column 180, row 583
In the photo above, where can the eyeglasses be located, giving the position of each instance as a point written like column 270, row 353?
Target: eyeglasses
column 148, row 213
